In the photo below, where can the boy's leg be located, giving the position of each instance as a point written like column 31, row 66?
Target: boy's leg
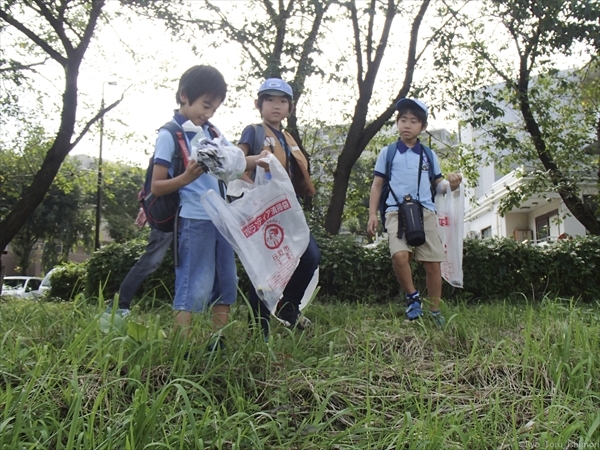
column 158, row 244
column 401, row 264
column 431, row 254
column 401, row 258
column 220, row 316
column 259, row 314
column 289, row 308
column 195, row 273
column 224, row 288
column 183, row 322
column 433, row 273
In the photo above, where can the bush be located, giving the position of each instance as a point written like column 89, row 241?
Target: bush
column 67, row 281
column 108, row 267
column 500, row 267
column 493, row 268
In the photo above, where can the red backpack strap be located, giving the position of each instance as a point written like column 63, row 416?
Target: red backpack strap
column 182, row 147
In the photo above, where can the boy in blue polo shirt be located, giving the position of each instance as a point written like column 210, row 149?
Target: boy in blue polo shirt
column 206, row 274
column 403, row 179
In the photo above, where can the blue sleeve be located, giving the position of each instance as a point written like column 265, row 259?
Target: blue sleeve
column 247, row 138
column 164, row 148
column 437, row 171
column 380, row 164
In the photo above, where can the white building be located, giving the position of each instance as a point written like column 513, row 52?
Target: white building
column 541, row 218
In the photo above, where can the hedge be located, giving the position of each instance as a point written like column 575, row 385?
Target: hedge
column 493, row 268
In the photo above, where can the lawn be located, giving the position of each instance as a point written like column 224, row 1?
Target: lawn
column 499, row 376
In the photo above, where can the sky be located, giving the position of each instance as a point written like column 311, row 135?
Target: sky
column 149, row 84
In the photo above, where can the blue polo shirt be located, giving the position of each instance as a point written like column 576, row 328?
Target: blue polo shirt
column 189, row 196
column 405, row 174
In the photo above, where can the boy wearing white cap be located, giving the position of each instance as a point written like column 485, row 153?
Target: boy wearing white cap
column 413, row 170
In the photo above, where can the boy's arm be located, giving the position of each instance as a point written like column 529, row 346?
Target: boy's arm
column 252, row 161
column 453, row 178
column 163, row 185
column 376, row 188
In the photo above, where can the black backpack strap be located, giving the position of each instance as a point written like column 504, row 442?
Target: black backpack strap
column 429, row 154
column 214, row 133
column 259, row 139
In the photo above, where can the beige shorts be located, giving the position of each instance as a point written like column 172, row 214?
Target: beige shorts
column 431, row 251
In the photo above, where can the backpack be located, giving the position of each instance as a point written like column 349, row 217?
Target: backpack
column 297, row 177
column 161, row 211
column 385, row 190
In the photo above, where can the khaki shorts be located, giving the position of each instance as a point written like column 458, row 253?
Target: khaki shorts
column 431, row 251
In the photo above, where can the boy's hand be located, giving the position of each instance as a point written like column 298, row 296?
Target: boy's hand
column 373, row 224
column 454, row 179
column 140, row 220
column 260, row 162
column 193, row 170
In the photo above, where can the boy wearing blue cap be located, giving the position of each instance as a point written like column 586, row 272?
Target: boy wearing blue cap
column 413, row 169
column 275, row 103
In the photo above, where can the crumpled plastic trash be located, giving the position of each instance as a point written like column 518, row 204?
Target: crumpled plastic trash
column 226, row 162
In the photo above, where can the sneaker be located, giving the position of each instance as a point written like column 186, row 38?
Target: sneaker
column 122, row 312
column 438, row 318
column 287, row 313
column 303, row 322
column 217, row 344
column 414, row 311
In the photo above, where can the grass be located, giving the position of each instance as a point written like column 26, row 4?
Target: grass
column 499, row 376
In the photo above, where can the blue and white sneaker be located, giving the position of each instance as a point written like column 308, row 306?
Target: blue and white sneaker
column 122, row 312
column 413, row 310
column 438, row 318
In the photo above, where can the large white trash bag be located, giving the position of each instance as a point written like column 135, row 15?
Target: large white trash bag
column 451, row 210
column 226, row 162
column 266, row 228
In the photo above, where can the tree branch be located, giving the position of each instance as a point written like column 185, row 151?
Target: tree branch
column 357, row 49
column 95, row 119
column 34, row 38
column 56, row 25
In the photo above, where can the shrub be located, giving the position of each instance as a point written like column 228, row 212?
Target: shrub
column 67, row 281
column 493, row 268
column 108, row 267
column 500, row 267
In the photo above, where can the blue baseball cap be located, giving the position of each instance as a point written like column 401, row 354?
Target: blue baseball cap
column 275, row 86
column 411, row 101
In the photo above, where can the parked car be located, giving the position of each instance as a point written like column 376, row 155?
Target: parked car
column 46, row 285
column 24, row 287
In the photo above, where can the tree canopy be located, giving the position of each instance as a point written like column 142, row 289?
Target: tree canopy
column 525, row 111
column 55, row 32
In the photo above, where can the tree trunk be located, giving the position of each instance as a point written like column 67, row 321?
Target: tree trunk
column 569, row 195
column 358, row 135
column 34, row 194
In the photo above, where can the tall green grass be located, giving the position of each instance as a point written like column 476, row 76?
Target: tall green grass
column 502, row 376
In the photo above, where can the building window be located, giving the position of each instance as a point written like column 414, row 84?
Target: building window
column 486, row 233
column 542, row 225
column 593, row 202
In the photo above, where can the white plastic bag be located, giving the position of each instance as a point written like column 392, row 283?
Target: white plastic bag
column 226, row 162
column 266, row 228
column 450, row 209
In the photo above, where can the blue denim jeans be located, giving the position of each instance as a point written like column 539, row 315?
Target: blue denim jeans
column 206, row 273
column 158, row 244
column 294, row 291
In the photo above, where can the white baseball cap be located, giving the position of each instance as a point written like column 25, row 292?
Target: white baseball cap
column 406, row 101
